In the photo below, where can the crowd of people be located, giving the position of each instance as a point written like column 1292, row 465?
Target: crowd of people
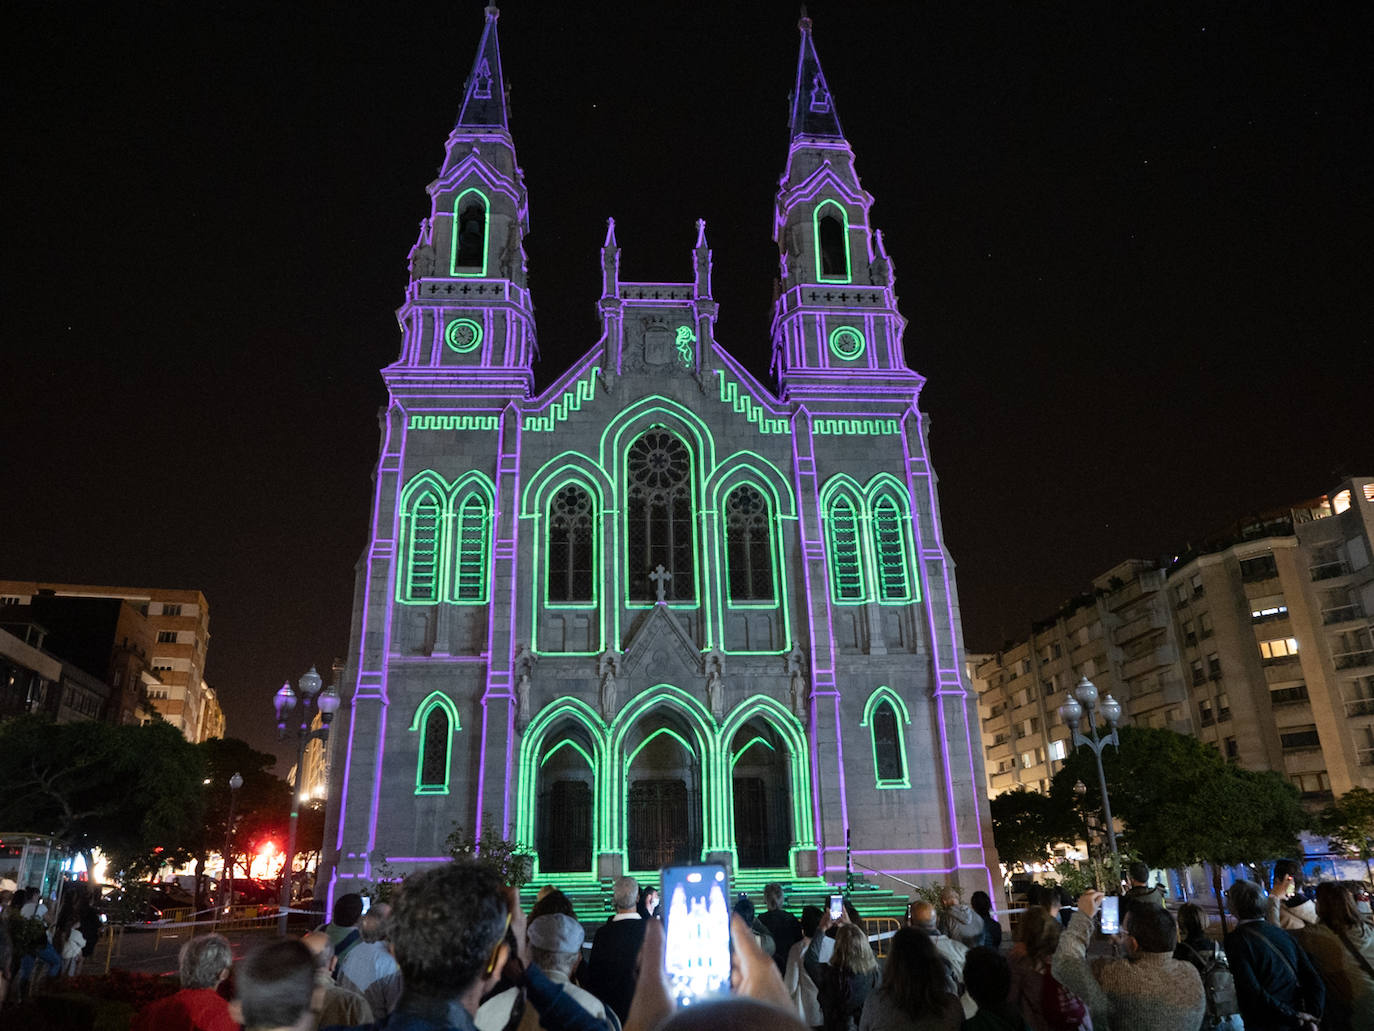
column 456, row 952
column 43, row 939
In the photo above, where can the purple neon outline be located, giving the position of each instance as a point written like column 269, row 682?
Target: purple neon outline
column 419, row 859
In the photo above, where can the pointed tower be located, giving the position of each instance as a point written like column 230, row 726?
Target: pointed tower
column 836, row 318
column 467, row 308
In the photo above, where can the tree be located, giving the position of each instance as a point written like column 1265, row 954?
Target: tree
column 127, row 790
column 510, row 859
column 1026, row 826
column 1180, row 802
column 1349, row 824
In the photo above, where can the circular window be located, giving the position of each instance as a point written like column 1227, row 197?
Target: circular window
column 846, row 343
column 464, row 335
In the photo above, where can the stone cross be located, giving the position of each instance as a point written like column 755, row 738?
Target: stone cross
column 661, row 576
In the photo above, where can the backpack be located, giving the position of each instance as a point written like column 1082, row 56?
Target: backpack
column 1219, row 985
column 1062, row 1010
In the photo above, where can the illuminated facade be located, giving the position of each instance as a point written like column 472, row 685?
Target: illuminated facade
column 658, row 612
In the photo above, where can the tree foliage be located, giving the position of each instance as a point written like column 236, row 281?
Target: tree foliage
column 127, row 790
column 1026, row 826
column 1180, row 802
column 1349, row 824
column 510, row 859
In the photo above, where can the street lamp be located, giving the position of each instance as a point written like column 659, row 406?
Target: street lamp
column 1084, row 700
column 308, row 693
column 226, row 896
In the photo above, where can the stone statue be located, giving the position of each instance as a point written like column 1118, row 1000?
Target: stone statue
column 522, row 702
column 715, row 694
column 796, row 668
column 522, row 665
column 608, row 666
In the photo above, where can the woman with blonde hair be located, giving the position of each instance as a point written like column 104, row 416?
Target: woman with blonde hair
column 843, row 984
column 1045, row 1004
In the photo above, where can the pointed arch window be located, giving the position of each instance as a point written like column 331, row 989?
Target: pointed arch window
column 885, row 715
column 847, row 582
column 569, row 572
column 749, row 546
column 658, row 517
column 830, row 224
column 891, row 553
column 422, row 520
column 471, row 221
column 471, row 546
column 436, row 721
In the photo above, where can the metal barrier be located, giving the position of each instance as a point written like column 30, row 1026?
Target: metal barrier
column 115, row 938
column 170, row 917
column 880, row 930
column 243, row 917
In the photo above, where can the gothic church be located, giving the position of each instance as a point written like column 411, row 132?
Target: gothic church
column 660, row 612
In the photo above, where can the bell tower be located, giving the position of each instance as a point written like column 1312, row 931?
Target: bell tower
column 835, row 321
column 468, row 319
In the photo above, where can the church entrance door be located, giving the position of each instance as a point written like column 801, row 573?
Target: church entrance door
column 565, row 827
column 663, row 807
column 763, row 833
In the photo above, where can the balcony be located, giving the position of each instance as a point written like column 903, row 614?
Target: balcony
column 1342, row 614
column 1154, row 619
column 1364, row 756
column 1155, row 658
column 1360, row 707
column 1328, row 570
column 1353, row 660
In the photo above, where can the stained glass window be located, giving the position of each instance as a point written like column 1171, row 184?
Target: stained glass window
column 846, row 561
column 748, row 546
column 659, row 517
column 569, row 570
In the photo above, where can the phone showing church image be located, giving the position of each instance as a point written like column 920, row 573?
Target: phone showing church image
column 696, row 925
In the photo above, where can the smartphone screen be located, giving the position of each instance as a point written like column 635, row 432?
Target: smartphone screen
column 696, row 929
column 836, row 906
column 1111, row 918
column 367, row 903
column 1291, row 890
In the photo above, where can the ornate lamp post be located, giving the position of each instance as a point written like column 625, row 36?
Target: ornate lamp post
column 308, row 693
column 226, row 895
column 1084, row 701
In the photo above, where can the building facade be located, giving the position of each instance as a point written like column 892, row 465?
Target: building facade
column 1258, row 642
column 660, row 611
column 153, row 653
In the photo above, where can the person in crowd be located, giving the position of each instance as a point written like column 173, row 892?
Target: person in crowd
column 448, row 933
column 343, row 927
column 67, row 937
column 202, row 966
column 845, row 982
column 88, row 920
column 1045, row 1004
column 1149, row 990
column 555, row 945
column 370, row 969
column 552, row 901
column 648, row 902
column 988, row 978
column 1341, row 946
column 923, row 918
column 1287, row 906
column 1140, row 892
column 785, row 928
column 276, row 988
column 610, row 973
column 6, row 944
column 957, row 920
column 338, row 1004
column 800, row 988
column 745, row 908
column 38, row 958
column 981, row 903
column 915, row 993
column 1276, row 984
column 1196, row 948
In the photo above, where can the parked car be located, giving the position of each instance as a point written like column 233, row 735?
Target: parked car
column 139, row 905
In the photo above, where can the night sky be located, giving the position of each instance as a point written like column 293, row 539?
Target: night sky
column 1133, row 248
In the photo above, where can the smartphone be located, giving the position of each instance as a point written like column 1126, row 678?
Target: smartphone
column 1111, row 914
column 696, row 931
column 1291, row 890
column 836, row 906
column 367, row 903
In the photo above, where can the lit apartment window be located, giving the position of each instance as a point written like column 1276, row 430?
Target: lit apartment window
column 1027, row 760
column 1278, row 648
column 1058, row 750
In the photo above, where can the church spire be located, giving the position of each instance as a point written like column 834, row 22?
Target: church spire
column 813, row 108
column 484, row 93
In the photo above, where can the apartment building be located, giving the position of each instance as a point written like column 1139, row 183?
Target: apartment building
column 1257, row 641
column 166, row 631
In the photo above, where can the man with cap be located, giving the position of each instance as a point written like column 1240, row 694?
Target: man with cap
column 555, row 945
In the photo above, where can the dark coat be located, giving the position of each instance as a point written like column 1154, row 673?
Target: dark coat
column 609, row 973
column 1274, row 978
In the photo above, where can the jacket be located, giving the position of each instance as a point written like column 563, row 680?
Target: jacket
column 841, row 994
column 1297, row 917
column 962, row 924
column 880, row 1014
column 1275, row 980
column 1349, row 987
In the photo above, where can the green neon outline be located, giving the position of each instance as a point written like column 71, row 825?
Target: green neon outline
column 432, row 700
column 453, row 422
column 816, row 217
column 843, row 353
column 451, row 331
column 423, row 484
column 885, row 695
column 684, row 341
column 742, row 403
column 532, row 742
column 670, row 732
column 886, row 487
column 582, row 391
column 453, row 265
column 755, row 740
column 471, row 486
column 791, row 732
column 843, row 488
column 567, row 742
column 856, row 427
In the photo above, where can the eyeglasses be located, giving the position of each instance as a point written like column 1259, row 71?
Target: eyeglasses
column 496, row 949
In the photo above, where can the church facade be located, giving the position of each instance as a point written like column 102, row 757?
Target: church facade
column 660, row 612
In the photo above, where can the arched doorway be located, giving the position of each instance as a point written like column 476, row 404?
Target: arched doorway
column 760, row 796
column 663, row 800
column 567, row 789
